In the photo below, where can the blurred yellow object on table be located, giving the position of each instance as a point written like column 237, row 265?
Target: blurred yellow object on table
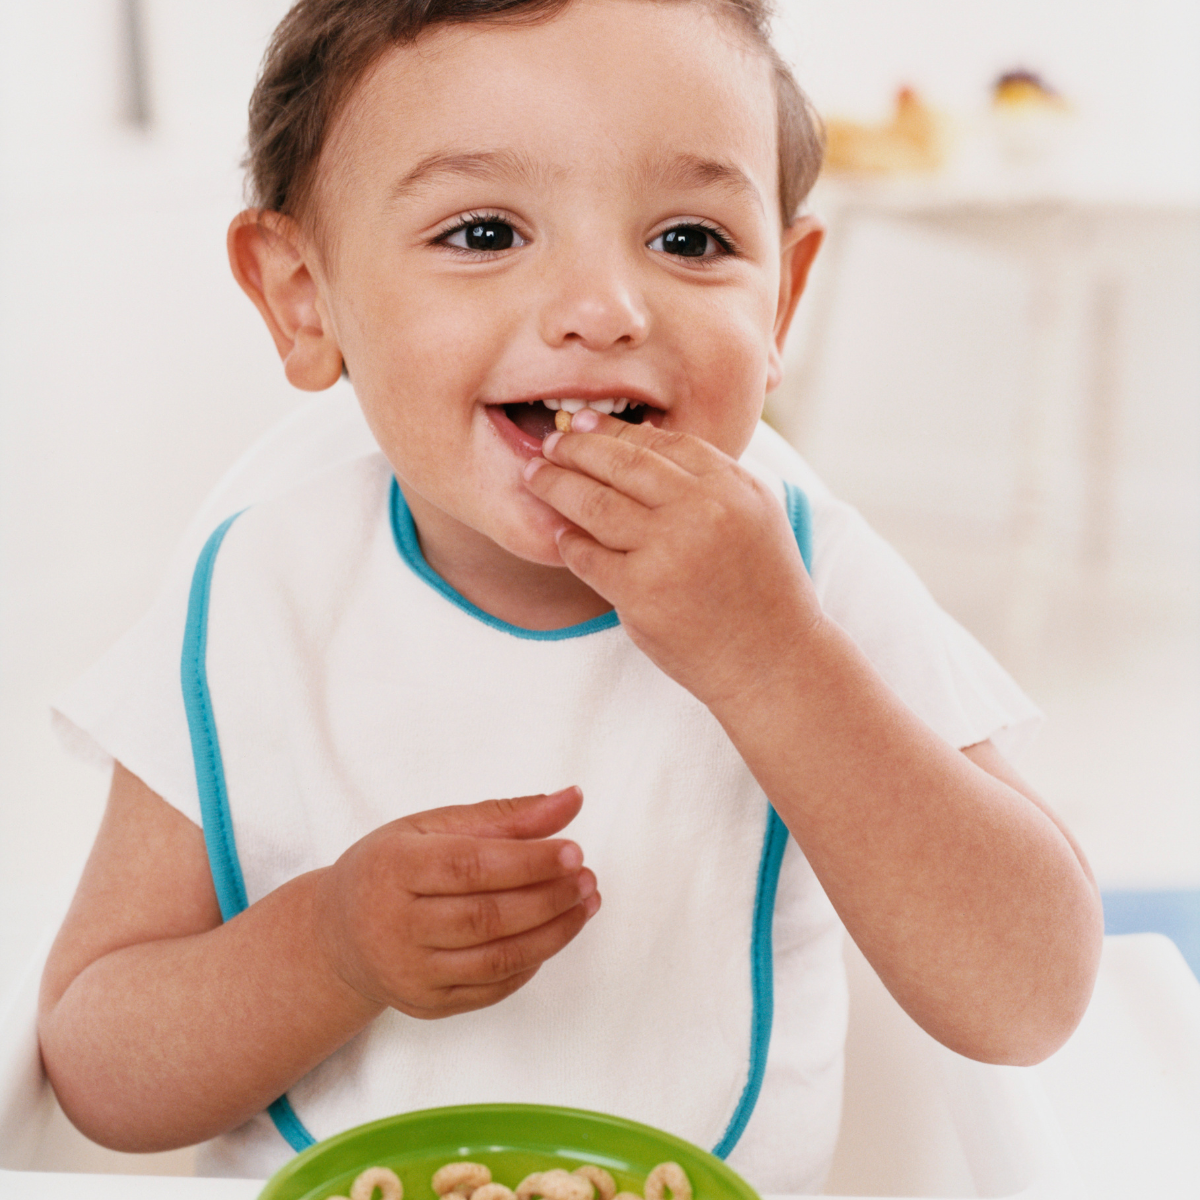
column 916, row 140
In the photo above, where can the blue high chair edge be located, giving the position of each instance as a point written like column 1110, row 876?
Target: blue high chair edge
column 1173, row 912
column 230, row 885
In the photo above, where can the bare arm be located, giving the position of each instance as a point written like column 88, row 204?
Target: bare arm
column 161, row 1027
column 960, row 887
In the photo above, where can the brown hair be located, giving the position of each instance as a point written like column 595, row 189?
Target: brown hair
column 322, row 48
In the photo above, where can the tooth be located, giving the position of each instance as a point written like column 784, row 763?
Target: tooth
column 603, row 406
column 551, row 404
column 573, row 406
column 619, row 405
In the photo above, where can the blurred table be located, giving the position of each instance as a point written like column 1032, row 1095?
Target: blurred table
column 1078, row 245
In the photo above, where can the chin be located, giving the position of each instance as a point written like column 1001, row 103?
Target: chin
column 534, row 546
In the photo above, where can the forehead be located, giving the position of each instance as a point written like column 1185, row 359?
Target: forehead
column 625, row 85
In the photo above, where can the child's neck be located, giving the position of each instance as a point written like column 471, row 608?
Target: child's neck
column 526, row 594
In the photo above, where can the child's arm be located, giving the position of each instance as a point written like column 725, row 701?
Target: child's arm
column 160, row 1026
column 963, row 890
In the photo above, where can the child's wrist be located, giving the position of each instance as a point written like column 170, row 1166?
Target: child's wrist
column 328, row 938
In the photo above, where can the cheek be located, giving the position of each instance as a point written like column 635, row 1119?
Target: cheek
column 729, row 377
column 428, row 354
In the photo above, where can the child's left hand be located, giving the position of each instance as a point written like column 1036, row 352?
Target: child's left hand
column 693, row 551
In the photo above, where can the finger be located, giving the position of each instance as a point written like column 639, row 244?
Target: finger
column 512, row 956
column 454, row 865
column 598, row 566
column 685, row 450
column 633, row 468
column 613, row 519
column 461, row 998
column 520, row 817
column 457, row 922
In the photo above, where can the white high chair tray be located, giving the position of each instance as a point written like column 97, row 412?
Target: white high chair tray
column 1113, row 1114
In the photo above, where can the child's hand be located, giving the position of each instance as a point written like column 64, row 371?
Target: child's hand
column 456, row 908
column 693, row 551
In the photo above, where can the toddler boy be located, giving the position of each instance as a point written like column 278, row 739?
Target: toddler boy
column 342, row 869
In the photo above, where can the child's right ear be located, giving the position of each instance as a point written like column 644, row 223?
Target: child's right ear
column 269, row 258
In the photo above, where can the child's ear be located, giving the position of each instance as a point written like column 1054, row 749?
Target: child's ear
column 801, row 241
column 267, row 253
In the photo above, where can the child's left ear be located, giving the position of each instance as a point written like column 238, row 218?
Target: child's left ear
column 801, row 241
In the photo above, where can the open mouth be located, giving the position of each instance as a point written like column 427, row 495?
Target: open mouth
column 535, row 418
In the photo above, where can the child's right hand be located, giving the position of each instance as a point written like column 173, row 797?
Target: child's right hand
column 456, row 908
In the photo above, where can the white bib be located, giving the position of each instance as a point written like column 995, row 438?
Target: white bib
column 334, row 683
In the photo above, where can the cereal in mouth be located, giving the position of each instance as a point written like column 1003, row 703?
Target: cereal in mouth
column 537, row 418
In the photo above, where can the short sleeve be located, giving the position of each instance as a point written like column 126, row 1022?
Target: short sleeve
column 129, row 705
column 933, row 664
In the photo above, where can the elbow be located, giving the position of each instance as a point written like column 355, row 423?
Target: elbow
column 1029, row 1019
column 93, row 1100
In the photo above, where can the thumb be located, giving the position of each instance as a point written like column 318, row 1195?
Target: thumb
column 535, row 816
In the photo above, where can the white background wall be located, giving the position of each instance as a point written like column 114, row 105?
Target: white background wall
column 133, row 371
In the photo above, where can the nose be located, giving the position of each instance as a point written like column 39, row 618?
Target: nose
column 592, row 300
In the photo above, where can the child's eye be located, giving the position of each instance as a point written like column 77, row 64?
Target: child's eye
column 482, row 234
column 691, row 241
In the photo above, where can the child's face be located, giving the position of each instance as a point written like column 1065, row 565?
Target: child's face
column 581, row 208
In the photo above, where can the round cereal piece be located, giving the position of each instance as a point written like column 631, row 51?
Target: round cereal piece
column 601, row 1180
column 528, row 1187
column 462, row 1177
column 668, row 1177
column 556, row 1184
column 562, row 421
column 387, row 1182
column 493, row 1191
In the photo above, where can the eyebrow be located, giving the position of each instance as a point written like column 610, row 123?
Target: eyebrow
column 692, row 171
column 482, row 164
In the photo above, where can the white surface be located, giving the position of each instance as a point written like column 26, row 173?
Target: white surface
column 1112, row 1115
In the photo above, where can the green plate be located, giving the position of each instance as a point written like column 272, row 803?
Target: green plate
column 512, row 1139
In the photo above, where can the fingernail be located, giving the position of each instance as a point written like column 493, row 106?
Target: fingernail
column 571, row 856
column 585, row 420
column 592, row 904
column 550, row 441
column 587, row 884
column 533, row 466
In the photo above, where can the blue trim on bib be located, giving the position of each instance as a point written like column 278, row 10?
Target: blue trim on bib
column 405, row 534
column 762, row 954
column 800, row 515
column 289, row 1125
column 206, row 749
column 210, row 781
column 762, row 980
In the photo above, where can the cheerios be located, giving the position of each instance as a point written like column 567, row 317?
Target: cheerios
column 562, row 421
column 473, row 1181
column 602, row 1181
column 462, row 1177
column 668, row 1177
column 493, row 1191
column 380, row 1179
column 555, row 1185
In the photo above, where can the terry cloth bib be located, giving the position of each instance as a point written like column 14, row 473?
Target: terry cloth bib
column 334, row 683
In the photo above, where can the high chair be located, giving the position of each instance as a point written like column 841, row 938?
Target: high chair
column 1114, row 1113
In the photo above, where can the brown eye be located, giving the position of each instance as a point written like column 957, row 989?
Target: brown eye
column 484, row 236
column 690, row 241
